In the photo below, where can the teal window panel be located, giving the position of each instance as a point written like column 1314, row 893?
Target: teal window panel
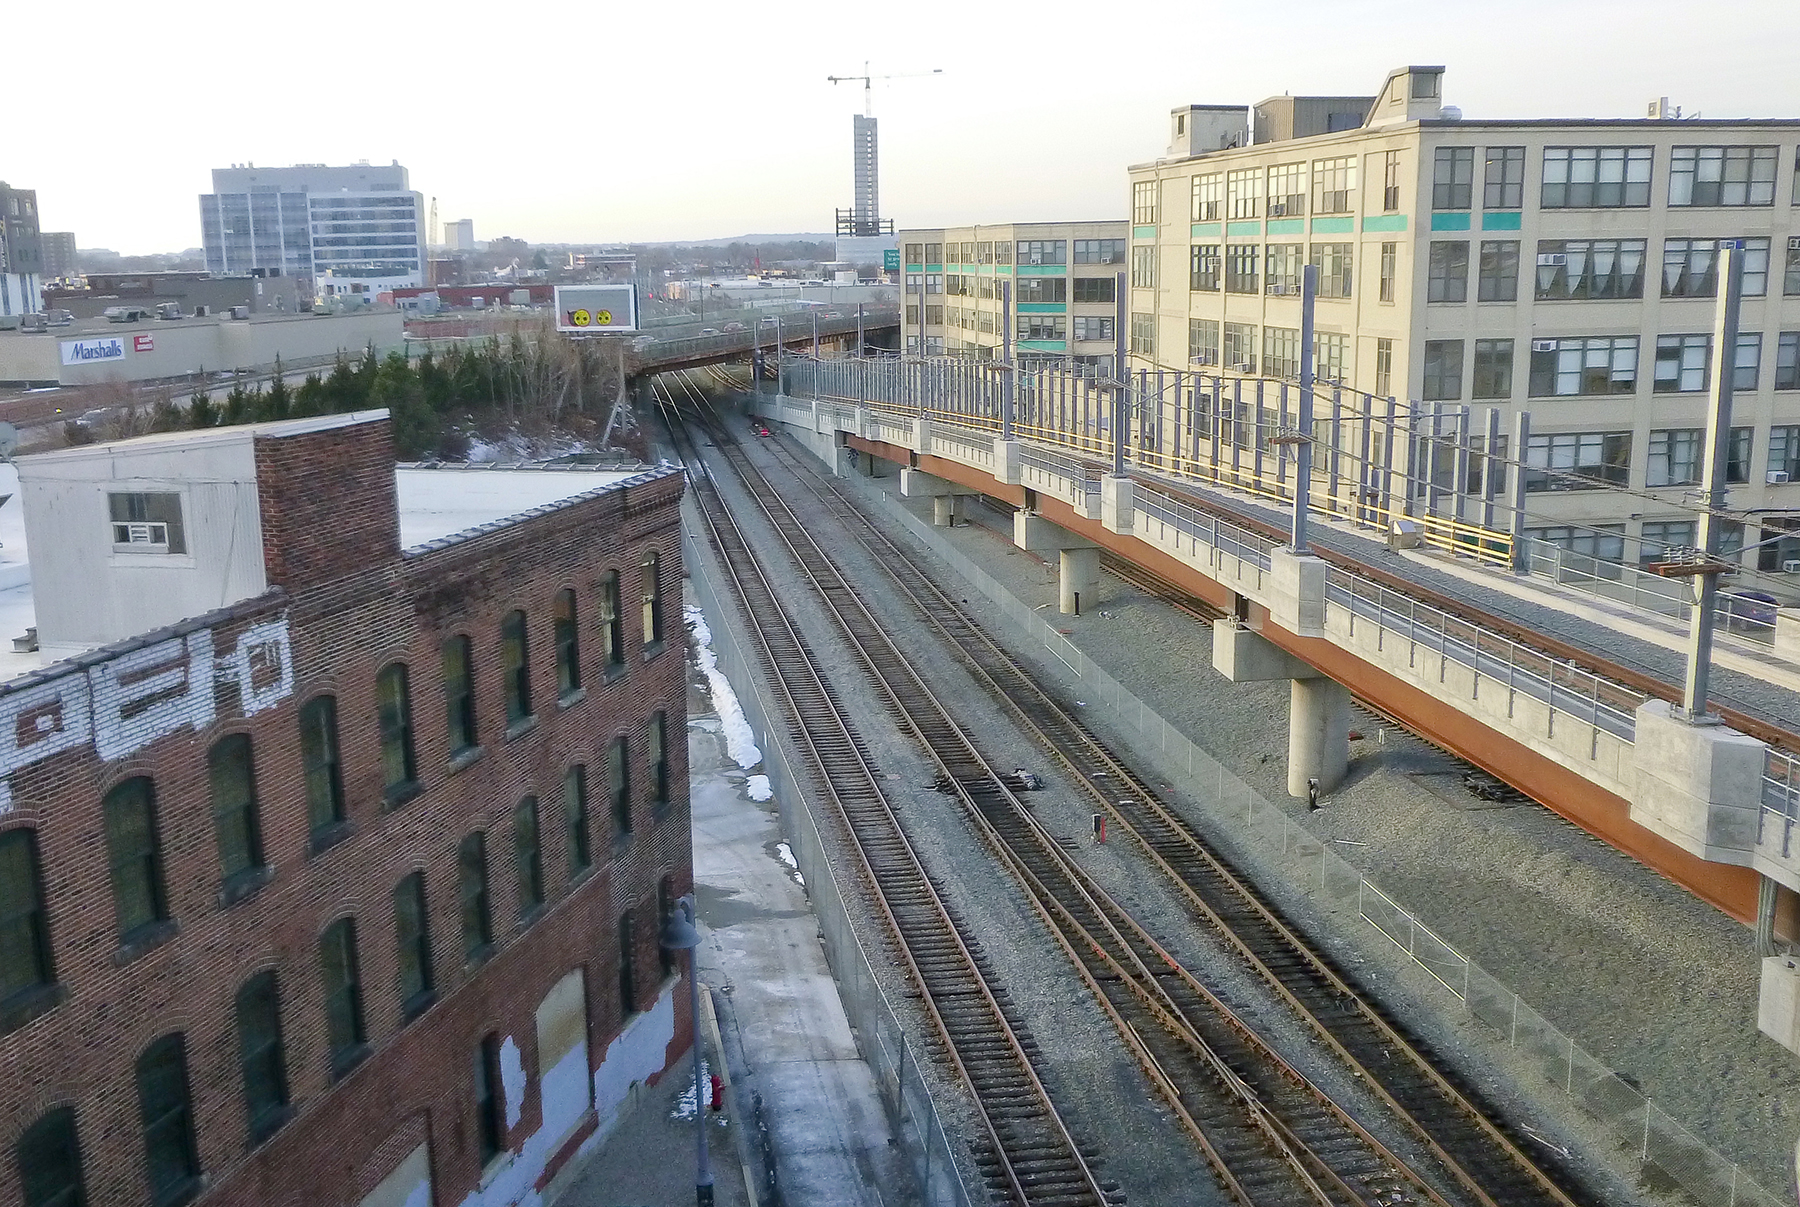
column 1043, row 308
column 915, row 268
column 1333, row 226
column 1044, row 345
column 1285, row 226
column 1385, row 222
column 1043, row 270
column 970, row 267
column 934, row 268
column 1143, row 232
column 1243, row 228
column 1501, row 220
column 1450, row 222
column 1202, row 229
column 1004, row 270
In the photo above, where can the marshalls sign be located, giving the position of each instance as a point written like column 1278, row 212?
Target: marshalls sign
column 83, row 351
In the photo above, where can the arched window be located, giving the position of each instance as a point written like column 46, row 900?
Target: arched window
column 412, row 936
column 171, row 1159
column 618, row 780
column 515, row 660
column 25, row 962
column 134, row 857
column 528, row 855
column 49, row 1159
column 261, row 1056
column 651, row 577
column 575, row 810
column 612, row 624
column 568, row 647
column 394, row 701
column 459, row 695
column 342, row 979
column 319, row 759
column 472, row 891
column 233, row 774
column 659, row 761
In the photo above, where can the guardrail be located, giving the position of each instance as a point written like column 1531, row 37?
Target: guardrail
column 650, row 353
column 1623, row 583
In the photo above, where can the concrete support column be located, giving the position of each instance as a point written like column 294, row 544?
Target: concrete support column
column 945, row 510
column 1318, row 734
column 1297, row 592
column 1007, row 462
column 1080, row 580
column 1118, row 503
column 1697, row 785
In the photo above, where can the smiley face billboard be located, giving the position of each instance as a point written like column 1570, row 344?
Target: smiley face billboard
column 596, row 308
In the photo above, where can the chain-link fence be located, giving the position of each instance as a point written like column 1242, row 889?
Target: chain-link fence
column 1334, row 886
column 942, row 1179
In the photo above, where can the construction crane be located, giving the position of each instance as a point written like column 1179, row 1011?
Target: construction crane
column 868, row 82
column 863, row 218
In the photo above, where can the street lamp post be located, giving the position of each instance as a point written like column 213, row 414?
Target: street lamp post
column 678, row 934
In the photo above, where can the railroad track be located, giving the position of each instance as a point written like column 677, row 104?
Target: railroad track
column 1269, row 1134
column 1028, row 1158
column 1485, row 1157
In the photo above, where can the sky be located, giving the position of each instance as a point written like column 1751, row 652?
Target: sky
column 658, row 121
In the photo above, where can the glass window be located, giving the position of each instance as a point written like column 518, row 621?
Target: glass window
column 1143, row 334
column 1203, row 267
column 650, row 575
column 1582, row 178
column 260, row 1055
column 1334, row 262
column 1443, row 369
column 1390, row 181
column 627, row 965
column 1143, row 203
column 568, row 649
column 1499, row 273
column 49, row 1158
column 394, row 701
column 1207, row 198
column 1042, row 326
column 1604, row 541
column 1203, row 342
column 1281, row 352
column 1504, row 188
column 984, row 253
column 1094, row 327
column 24, row 931
column 233, row 775
column 1790, row 279
column 934, row 253
column 1384, row 367
column 1722, row 176
column 1099, row 251
column 490, row 1110
column 1287, row 190
column 472, row 894
column 1330, row 353
column 575, row 812
column 528, row 855
column 1656, row 537
column 1787, row 361
column 515, row 659
column 1452, row 178
column 171, row 1160
column 1390, row 254
column 1784, row 451
column 659, row 760
column 1003, row 252
column 1334, row 185
column 1589, row 268
column 618, row 780
column 1241, row 267
column 459, row 695
column 1284, row 263
column 612, row 623
column 1683, row 362
column 412, row 943
column 1143, row 267
column 1493, row 368
column 147, row 523
column 1093, row 289
column 343, row 994
column 1243, row 193
column 1043, row 251
column 319, row 759
column 1053, row 289
column 1240, row 347
column 1578, row 461
column 1691, row 268
column 1448, row 277
column 135, row 860
column 915, row 253
column 1602, row 364
column 1675, row 457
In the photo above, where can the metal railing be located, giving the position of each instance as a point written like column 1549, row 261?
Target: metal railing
column 649, row 352
column 1327, row 884
column 1624, row 583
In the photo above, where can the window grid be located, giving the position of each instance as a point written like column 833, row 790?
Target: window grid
column 1243, row 193
column 1504, row 188
column 1206, row 198
column 1390, row 255
column 1390, row 181
column 528, row 855
column 1448, row 272
column 1596, row 178
column 1570, row 269
column 1281, row 352
column 260, row 1055
column 25, row 954
column 659, row 760
column 1578, row 461
column 1143, row 203
column 1384, row 367
column 1204, row 265
column 575, row 811
column 1691, row 267
column 1493, row 369
column 232, row 772
column 490, row 1117
column 135, row 861
column 343, row 994
column 618, row 782
column 1287, row 190
column 1240, row 347
column 1603, row 364
column 399, row 771
column 1334, row 185
column 1143, row 267
column 1498, row 275
column 1334, row 262
column 651, row 576
column 1099, row 251
column 412, row 938
column 459, row 695
column 1282, row 273
column 515, row 662
column 49, row 1158
column 1203, row 341
column 568, row 643
column 1093, row 289
column 472, row 895
column 1452, row 178
column 172, row 1161
column 1241, row 261
column 1443, row 369
column 1722, row 176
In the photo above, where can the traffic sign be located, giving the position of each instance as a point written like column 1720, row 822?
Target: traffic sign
column 596, row 308
column 890, row 259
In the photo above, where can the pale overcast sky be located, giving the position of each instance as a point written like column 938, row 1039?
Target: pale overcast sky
column 654, row 121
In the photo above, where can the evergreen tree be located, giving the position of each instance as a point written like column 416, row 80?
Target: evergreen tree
column 201, row 412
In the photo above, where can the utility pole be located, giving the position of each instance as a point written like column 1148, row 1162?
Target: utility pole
column 1309, row 290
column 1009, row 371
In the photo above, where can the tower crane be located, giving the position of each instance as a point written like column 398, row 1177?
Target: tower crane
column 868, row 83
column 864, row 216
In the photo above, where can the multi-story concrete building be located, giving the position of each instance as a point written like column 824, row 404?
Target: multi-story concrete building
column 21, row 251
column 354, row 231
column 347, row 891
column 61, row 260
column 1064, row 278
column 1563, row 267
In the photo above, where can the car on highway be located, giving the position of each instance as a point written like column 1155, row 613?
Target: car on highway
column 709, row 331
column 728, row 327
column 770, row 320
column 832, row 314
column 1748, row 611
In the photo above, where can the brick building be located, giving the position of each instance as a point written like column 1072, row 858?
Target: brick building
column 348, row 891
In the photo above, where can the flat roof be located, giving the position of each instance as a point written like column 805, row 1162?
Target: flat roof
column 89, row 328
column 156, row 441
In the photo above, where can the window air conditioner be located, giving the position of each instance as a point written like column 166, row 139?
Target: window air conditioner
column 1543, row 345
column 1790, row 567
column 1276, row 209
column 1794, row 242
column 1777, row 477
column 1552, row 258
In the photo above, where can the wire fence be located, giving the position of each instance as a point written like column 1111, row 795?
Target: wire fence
column 1655, row 1140
column 943, row 1181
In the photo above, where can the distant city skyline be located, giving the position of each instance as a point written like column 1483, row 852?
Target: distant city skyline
column 648, row 128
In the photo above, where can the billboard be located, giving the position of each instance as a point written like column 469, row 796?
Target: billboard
column 86, row 351
column 596, row 308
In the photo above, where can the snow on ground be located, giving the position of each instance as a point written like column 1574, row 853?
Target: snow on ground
column 740, row 740
column 436, row 503
column 759, row 788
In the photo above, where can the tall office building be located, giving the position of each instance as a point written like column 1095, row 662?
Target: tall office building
column 1568, row 269
column 21, row 251
column 353, row 231
column 60, row 257
column 460, row 235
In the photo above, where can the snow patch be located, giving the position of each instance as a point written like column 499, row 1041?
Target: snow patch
column 688, row 1104
column 740, row 739
column 759, row 788
column 512, row 1078
column 786, row 854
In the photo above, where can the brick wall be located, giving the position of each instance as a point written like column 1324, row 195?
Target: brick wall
column 328, row 503
column 418, row 1082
